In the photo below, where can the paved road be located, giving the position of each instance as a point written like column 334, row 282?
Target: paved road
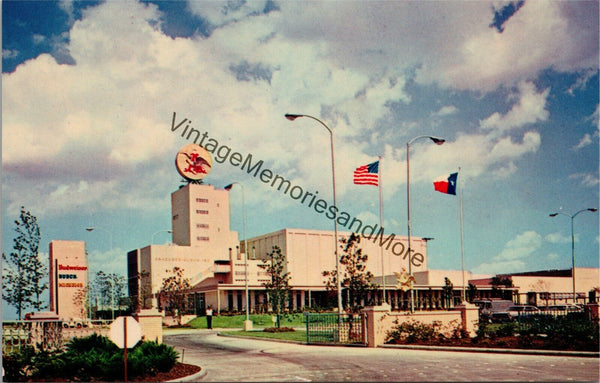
column 237, row 360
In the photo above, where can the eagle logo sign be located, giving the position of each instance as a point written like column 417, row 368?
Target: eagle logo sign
column 193, row 162
column 405, row 280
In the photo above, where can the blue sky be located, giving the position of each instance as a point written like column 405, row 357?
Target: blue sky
column 89, row 90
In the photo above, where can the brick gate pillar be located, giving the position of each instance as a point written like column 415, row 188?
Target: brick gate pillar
column 151, row 322
column 373, row 316
column 469, row 314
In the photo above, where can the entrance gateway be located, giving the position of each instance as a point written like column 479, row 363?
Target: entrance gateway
column 329, row 328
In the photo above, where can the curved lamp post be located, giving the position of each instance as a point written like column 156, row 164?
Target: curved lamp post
column 437, row 141
column 292, row 117
column 593, row 210
column 248, row 323
column 90, row 229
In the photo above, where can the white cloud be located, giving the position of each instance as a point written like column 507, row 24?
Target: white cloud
column 557, row 238
column 500, row 267
column 514, row 255
column 9, row 53
column 553, row 257
column 522, row 246
column 110, row 261
column 530, row 108
column 540, row 35
column 587, row 179
column 594, row 118
column 585, row 141
column 109, row 123
column 38, row 39
column 446, row 110
column 220, row 13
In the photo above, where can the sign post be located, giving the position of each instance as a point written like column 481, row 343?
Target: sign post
column 125, row 332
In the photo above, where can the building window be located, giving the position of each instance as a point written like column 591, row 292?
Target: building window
column 202, row 238
column 201, row 226
column 175, row 217
column 202, row 200
column 201, row 211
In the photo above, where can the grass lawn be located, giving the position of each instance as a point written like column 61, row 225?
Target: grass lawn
column 298, row 335
column 237, row 321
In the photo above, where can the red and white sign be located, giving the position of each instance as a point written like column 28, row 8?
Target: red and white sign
column 193, row 162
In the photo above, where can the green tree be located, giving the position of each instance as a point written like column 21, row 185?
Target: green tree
column 174, row 289
column 499, row 283
column 472, row 292
column 24, row 273
column 81, row 302
column 356, row 279
column 278, row 289
column 447, row 292
column 108, row 288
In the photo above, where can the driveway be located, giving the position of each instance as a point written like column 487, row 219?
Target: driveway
column 237, row 360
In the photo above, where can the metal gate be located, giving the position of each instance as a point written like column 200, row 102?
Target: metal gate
column 332, row 328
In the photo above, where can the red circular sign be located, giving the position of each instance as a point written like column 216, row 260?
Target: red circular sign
column 193, row 162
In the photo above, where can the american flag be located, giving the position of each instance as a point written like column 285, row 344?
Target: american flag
column 367, row 174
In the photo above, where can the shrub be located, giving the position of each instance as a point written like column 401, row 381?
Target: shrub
column 507, row 329
column 94, row 341
column 414, row 331
column 91, row 358
column 151, row 357
column 564, row 332
column 279, row 329
column 48, row 363
column 18, row 364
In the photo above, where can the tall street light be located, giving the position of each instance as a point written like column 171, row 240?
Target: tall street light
column 160, row 231
column 292, row 117
column 248, row 322
column 437, row 141
column 593, row 210
column 90, row 229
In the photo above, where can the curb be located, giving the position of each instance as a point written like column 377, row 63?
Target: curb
column 191, row 378
column 585, row 354
column 259, row 338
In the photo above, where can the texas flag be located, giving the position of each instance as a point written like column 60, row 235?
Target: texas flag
column 446, row 184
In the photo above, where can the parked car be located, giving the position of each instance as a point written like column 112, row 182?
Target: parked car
column 500, row 317
column 562, row 309
column 489, row 306
column 520, row 310
column 74, row 322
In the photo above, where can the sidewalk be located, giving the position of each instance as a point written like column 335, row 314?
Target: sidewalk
column 587, row 354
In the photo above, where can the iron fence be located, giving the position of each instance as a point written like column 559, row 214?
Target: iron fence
column 45, row 335
column 332, row 328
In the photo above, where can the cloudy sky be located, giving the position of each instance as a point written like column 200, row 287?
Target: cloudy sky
column 89, row 90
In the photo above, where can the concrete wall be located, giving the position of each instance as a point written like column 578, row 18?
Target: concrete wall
column 380, row 320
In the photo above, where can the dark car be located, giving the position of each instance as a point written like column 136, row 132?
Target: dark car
column 523, row 310
column 500, row 317
column 489, row 306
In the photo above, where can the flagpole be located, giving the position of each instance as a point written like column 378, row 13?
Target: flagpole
column 462, row 247
column 381, row 225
